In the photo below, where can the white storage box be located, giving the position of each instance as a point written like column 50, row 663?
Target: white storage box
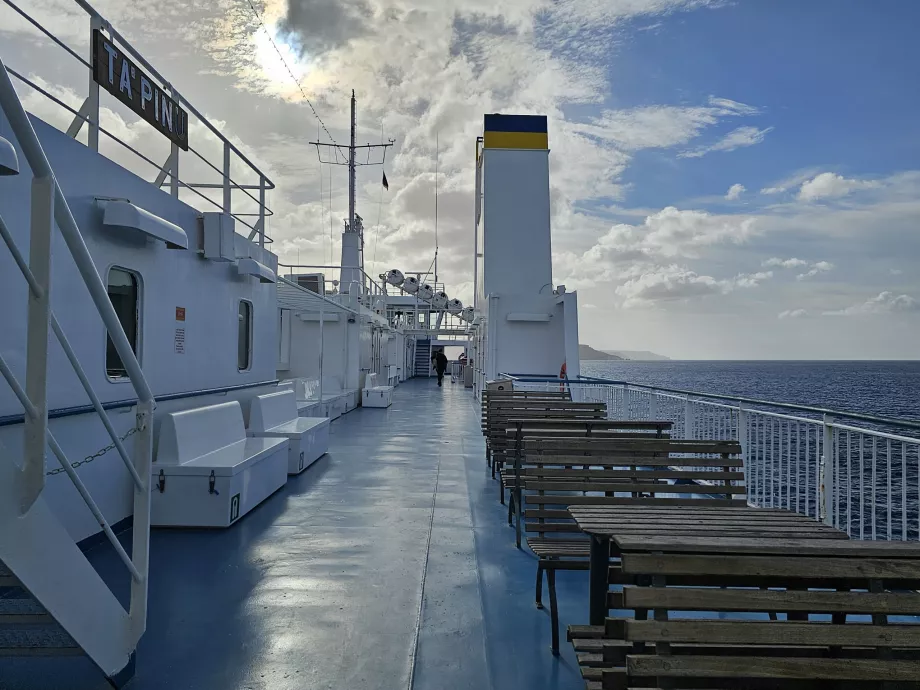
column 207, row 473
column 376, row 396
column 275, row 416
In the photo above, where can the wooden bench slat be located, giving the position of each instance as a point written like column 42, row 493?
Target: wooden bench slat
column 624, row 500
column 629, row 474
column 629, row 486
column 649, row 445
column 772, row 633
column 674, row 599
column 625, row 460
column 718, row 566
column 763, row 547
column 771, row 667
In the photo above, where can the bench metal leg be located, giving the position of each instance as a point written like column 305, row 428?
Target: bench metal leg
column 517, row 514
column 501, row 489
column 539, row 598
column 510, row 507
column 597, row 580
column 553, row 609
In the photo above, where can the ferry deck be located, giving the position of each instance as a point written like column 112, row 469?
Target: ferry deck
column 388, row 564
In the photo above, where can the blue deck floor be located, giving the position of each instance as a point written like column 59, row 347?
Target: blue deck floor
column 387, row 565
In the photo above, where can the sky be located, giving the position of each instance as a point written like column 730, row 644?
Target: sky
column 730, row 179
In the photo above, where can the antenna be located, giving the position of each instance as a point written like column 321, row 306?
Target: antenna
column 353, row 223
column 437, row 156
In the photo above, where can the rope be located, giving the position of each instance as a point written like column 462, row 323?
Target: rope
column 291, row 73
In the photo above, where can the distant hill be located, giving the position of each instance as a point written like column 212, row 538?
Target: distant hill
column 587, row 352
column 637, row 355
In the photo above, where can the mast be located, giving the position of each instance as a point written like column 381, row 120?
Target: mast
column 351, row 171
column 352, row 264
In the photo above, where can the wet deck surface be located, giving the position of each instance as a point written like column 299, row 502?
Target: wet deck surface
column 386, row 565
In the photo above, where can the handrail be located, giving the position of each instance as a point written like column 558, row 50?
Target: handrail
column 50, row 206
column 35, row 155
column 587, row 380
column 89, row 113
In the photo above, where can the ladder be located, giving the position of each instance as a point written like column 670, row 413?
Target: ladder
column 423, row 358
column 52, row 600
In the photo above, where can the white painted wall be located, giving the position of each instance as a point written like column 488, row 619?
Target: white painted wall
column 209, row 292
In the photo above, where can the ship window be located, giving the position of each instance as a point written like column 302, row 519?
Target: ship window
column 123, row 293
column 244, row 337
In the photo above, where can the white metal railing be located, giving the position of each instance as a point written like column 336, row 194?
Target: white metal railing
column 860, row 476
column 251, row 213
column 49, row 206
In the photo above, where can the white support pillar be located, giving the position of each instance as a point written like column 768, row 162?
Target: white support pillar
column 95, row 23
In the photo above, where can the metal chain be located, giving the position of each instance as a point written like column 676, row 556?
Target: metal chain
column 95, row 456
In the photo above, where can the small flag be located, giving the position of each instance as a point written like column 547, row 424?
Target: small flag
column 386, row 185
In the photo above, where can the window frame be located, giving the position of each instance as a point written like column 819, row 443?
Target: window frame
column 249, row 338
column 138, row 324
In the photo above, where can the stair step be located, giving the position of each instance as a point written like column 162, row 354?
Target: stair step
column 23, row 610
column 7, row 579
column 35, row 641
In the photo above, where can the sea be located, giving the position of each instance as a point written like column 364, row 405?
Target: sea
column 881, row 388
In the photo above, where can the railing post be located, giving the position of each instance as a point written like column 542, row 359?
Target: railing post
column 93, row 99
column 39, row 320
column 174, row 158
column 827, row 472
column 743, row 440
column 140, row 549
column 262, row 211
column 227, row 192
column 688, row 418
column 652, row 406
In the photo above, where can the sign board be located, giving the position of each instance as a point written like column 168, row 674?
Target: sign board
column 180, row 341
column 116, row 73
column 180, row 313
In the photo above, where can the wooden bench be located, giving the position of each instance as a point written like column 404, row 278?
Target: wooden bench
column 837, row 596
column 500, row 412
column 207, row 473
column 598, row 471
column 603, row 522
column 519, row 430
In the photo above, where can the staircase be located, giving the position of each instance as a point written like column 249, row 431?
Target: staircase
column 26, row 627
column 423, row 358
column 52, row 600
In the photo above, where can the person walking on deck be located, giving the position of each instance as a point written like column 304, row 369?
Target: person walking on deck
column 439, row 359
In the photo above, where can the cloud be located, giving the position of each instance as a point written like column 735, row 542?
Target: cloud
column 735, row 191
column 318, row 26
column 813, row 268
column 885, row 303
column 659, row 126
column 793, row 314
column 736, row 139
column 785, row 263
column 816, row 268
column 673, row 283
column 830, row 186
